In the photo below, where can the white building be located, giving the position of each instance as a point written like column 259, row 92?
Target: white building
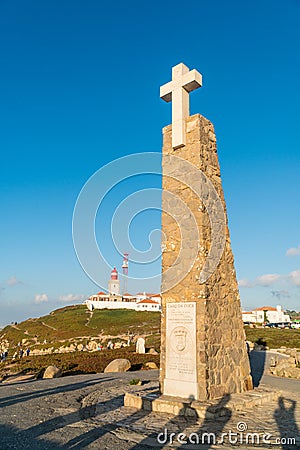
column 113, row 300
column 148, row 305
column 266, row 313
column 105, row 301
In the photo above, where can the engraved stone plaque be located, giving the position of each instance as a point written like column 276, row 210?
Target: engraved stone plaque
column 181, row 371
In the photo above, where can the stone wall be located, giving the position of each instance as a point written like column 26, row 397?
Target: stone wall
column 222, row 364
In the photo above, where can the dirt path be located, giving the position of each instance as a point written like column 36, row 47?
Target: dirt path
column 49, row 326
column 90, row 315
column 17, row 328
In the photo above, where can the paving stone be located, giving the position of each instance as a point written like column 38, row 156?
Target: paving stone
column 87, row 411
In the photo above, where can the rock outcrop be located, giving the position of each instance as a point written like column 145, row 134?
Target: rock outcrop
column 52, row 372
column 118, row 365
column 286, row 368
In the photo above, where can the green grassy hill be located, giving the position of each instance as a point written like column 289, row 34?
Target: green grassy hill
column 60, row 337
column 49, row 336
column 274, row 337
column 76, row 322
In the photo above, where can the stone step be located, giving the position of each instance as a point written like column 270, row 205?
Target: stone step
column 156, row 402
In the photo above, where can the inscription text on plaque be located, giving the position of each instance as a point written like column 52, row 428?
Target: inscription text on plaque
column 181, row 374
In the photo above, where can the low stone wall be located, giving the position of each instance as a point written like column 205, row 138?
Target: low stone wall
column 287, row 367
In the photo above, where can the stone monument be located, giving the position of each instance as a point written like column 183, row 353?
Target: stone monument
column 203, row 349
column 140, row 345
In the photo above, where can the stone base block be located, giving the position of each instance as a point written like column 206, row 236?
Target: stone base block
column 192, row 408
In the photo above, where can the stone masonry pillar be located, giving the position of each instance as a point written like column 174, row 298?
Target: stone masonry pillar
column 203, row 349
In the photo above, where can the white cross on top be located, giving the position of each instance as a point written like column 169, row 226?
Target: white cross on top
column 183, row 82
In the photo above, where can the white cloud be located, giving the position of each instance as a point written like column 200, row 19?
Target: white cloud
column 41, row 298
column 292, row 278
column 244, row 282
column 12, row 281
column 263, row 280
column 71, row 298
column 295, row 277
column 267, row 279
column 294, row 251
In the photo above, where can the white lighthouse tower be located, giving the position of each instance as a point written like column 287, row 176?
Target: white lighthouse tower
column 114, row 283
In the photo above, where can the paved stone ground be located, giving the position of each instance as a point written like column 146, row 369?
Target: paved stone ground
column 86, row 411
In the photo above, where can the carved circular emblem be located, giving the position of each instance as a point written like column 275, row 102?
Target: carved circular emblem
column 179, row 338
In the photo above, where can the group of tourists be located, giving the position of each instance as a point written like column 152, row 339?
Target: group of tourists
column 21, row 353
column 18, row 354
column 112, row 345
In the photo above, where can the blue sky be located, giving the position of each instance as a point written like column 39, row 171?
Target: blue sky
column 79, row 88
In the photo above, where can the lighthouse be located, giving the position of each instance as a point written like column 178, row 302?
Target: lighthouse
column 114, row 283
